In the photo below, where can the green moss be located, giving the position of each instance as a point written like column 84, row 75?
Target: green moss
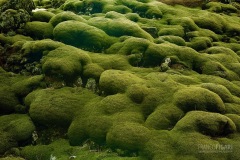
column 217, row 69
column 200, row 43
column 232, row 108
column 233, row 88
column 213, row 124
column 117, row 8
column 132, row 16
column 49, row 107
column 35, row 50
column 221, row 90
column 164, row 117
column 116, row 103
column 8, row 100
column 233, row 46
column 13, row 39
column 11, row 158
column 212, row 22
column 36, row 152
column 93, row 70
column 196, row 98
column 128, row 136
column 65, row 63
column 42, row 16
column 112, row 61
column 176, row 30
column 187, row 23
column 39, row 30
column 128, row 116
column 137, row 93
column 65, row 16
column 119, row 27
column 92, row 38
column 203, row 33
column 14, row 128
column 129, row 46
column 24, row 87
column 116, row 81
column 235, row 118
column 172, row 39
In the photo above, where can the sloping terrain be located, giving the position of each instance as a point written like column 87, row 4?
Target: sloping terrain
column 119, row 79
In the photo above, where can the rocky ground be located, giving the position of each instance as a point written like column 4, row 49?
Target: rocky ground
column 119, row 80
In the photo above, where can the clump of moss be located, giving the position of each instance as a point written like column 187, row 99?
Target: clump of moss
column 175, row 30
column 172, row 39
column 15, row 128
column 39, row 30
column 200, row 43
column 8, row 100
column 137, row 93
column 91, row 38
column 42, row 16
column 119, row 27
column 65, row 63
column 128, row 136
column 196, row 98
column 117, row 8
column 222, row 91
column 49, row 107
column 116, row 81
column 93, row 70
column 187, row 23
column 4, row 39
column 65, row 16
column 164, row 117
column 213, row 124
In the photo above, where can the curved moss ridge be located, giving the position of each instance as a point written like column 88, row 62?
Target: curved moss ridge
column 158, row 81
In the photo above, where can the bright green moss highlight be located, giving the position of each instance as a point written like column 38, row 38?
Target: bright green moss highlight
column 42, row 16
column 116, row 81
column 39, row 30
column 65, row 16
column 49, row 107
column 196, row 98
column 213, row 124
column 117, row 8
column 65, row 63
column 82, row 35
column 187, row 23
column 128, row 136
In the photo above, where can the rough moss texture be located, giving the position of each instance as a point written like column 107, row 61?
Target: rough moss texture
column 120, row 79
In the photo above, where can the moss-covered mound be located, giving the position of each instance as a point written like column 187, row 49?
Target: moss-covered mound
column 119, row 80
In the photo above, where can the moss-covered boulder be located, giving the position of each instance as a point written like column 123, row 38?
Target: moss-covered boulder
column 119, row 27
column 49, row 107
column 65, row 63
column 39, row 30
column 82, row 35
column 128, row 136
column 8, row 100
column 65, row 16
column 196, row 98
column 14, row 128
column 213, row 124
column 116, row 81
column 42, row 16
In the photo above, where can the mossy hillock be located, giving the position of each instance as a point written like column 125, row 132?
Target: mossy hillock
column 119, row 79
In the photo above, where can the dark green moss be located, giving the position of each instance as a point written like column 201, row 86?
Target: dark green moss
column 39, row 30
